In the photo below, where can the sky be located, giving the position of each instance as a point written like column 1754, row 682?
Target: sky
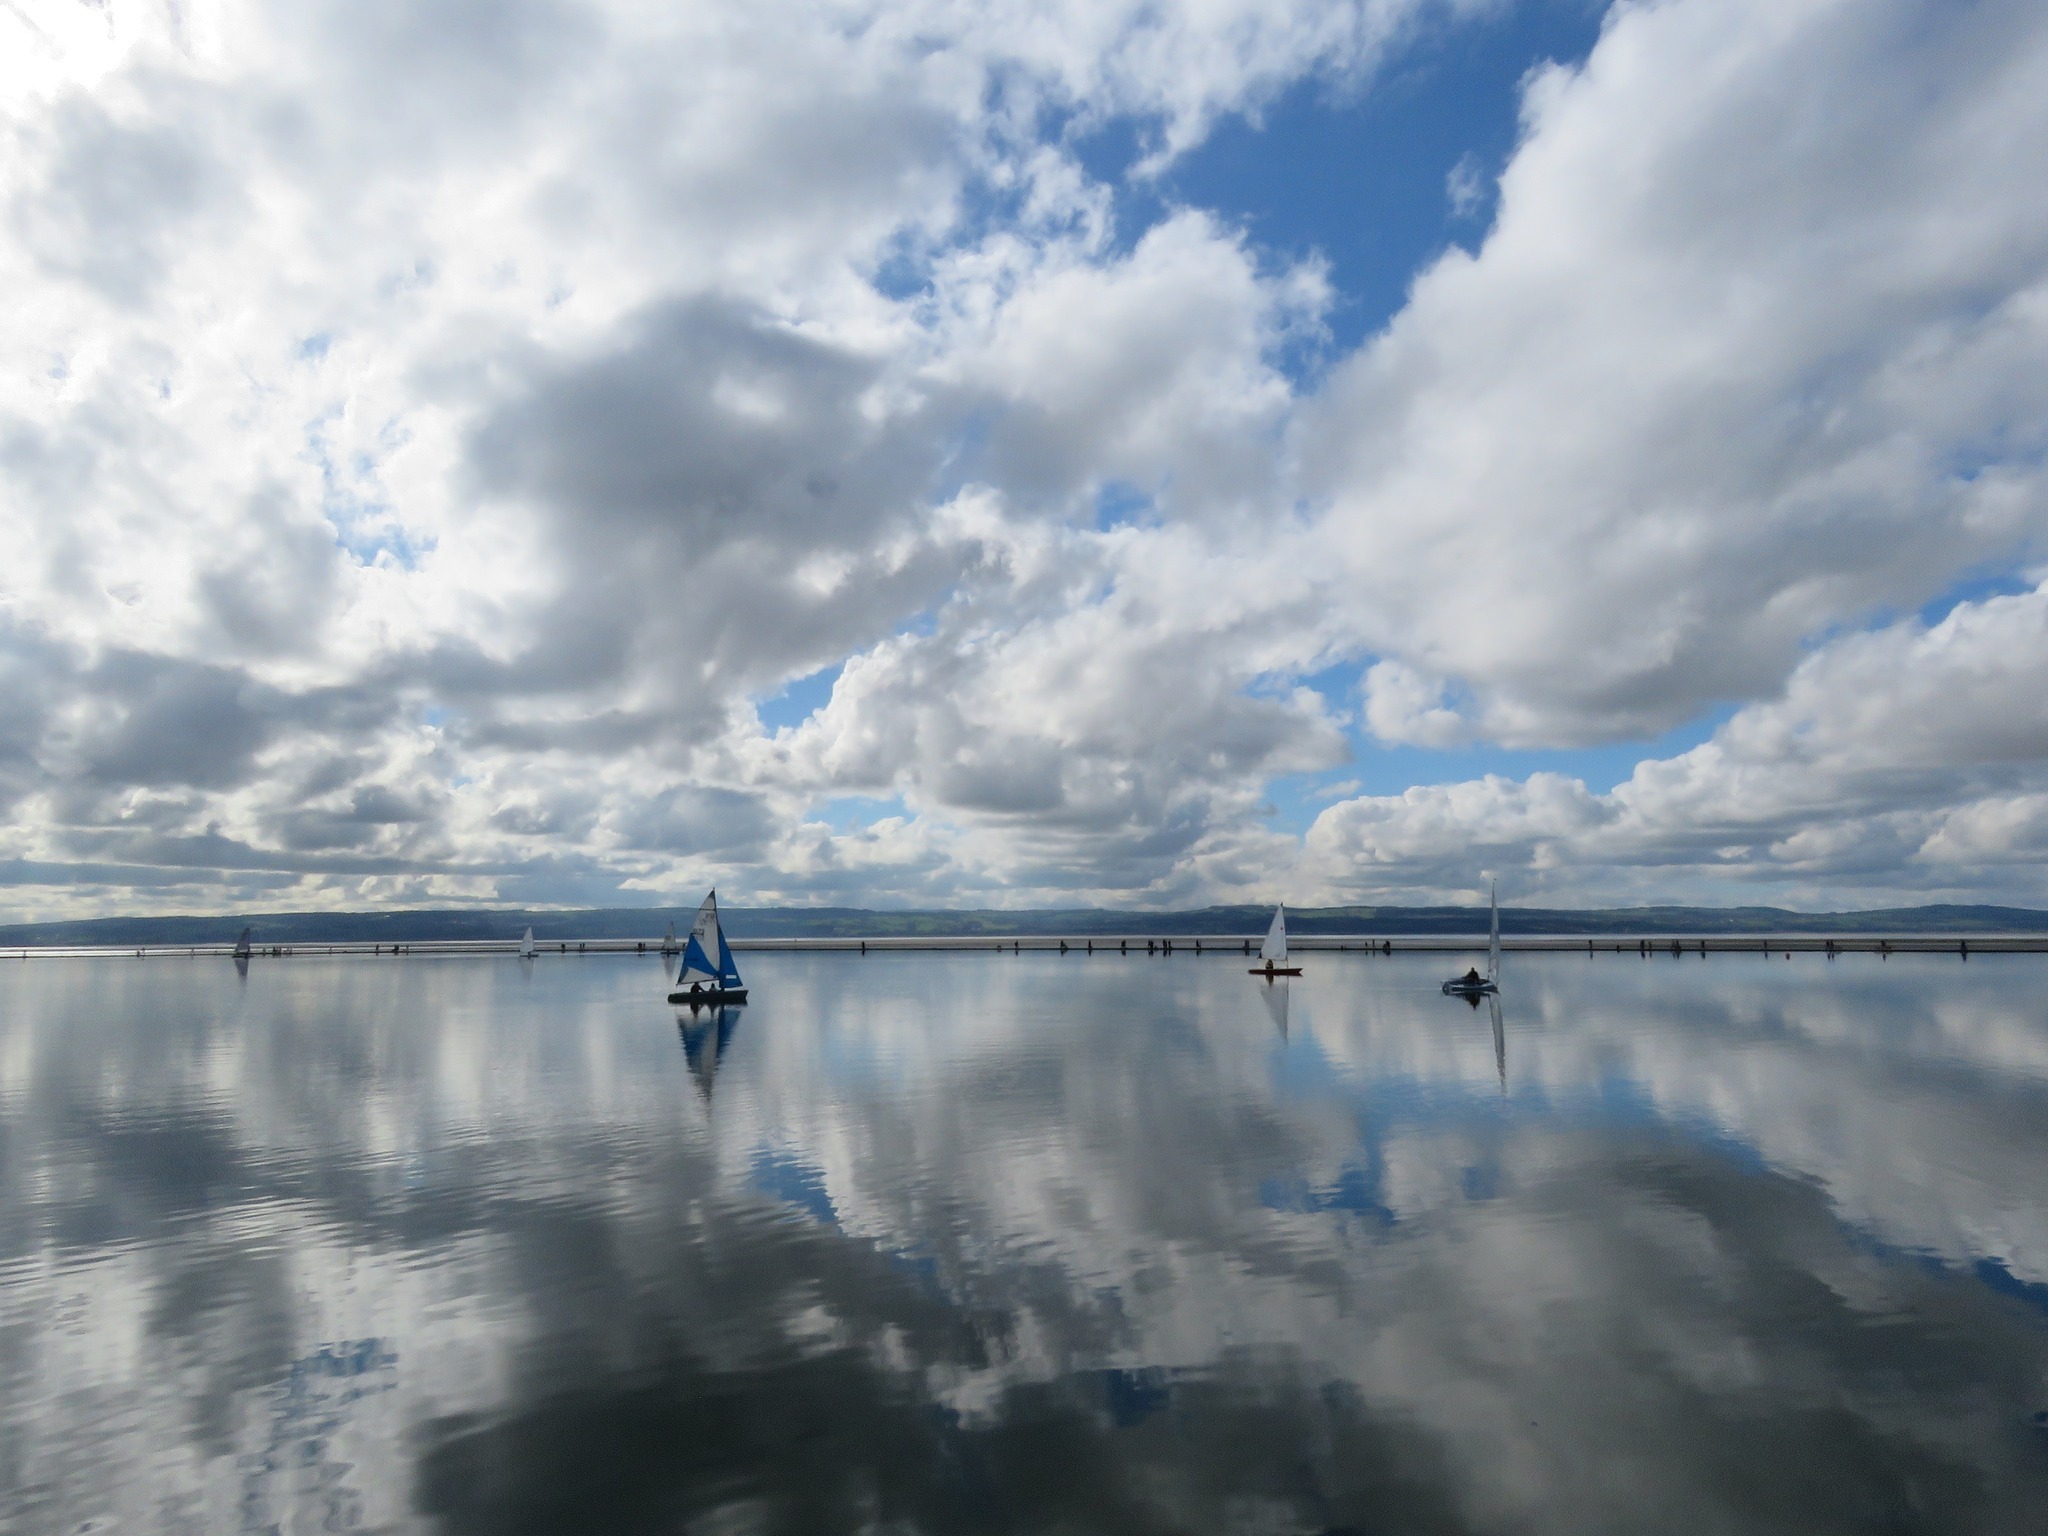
column 988, row 453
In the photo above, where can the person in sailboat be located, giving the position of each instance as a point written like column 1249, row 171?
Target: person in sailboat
column 1273, row 952
column 1472, row 985
column 707, row 973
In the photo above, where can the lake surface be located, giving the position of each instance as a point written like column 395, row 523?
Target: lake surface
column 957, row 1242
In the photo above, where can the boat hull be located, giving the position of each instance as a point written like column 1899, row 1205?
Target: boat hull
column 1469, row 988
column 709, row 996
column 1270, row 971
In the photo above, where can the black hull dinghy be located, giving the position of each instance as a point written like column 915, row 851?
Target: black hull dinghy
column 1472, row 986
column 707, row 975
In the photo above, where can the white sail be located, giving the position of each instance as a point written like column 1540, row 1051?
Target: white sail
column 1275, row 947
column 1493, row 940
column 700, row 954
column 526, row 946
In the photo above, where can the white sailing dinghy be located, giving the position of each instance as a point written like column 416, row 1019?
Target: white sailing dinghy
column 669, row 946
column 707, row 974
column 1274, row 950
column 1473, row 985
column 527, row 948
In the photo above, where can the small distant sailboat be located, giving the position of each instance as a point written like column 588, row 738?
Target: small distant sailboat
column 527, row 948
column 1274, row 950
column 707, row 974
column 669, row 946
column 1473, row 986
column 243, row 949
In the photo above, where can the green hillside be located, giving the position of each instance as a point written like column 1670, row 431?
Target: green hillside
column 851, row 922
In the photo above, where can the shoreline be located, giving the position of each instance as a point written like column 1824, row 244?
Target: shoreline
column 1221, row 945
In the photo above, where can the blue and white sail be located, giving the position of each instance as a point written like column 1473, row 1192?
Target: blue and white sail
column 706, row 955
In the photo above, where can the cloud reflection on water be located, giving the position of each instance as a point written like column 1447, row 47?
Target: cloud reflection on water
column 971, row 1241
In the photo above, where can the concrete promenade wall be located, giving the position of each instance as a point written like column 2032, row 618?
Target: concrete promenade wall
column 1176, row 945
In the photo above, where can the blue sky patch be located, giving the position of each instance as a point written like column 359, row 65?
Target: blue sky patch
column 1119, row 504
column 851, row 813
column 1376, row 768
column 1973, row 589
column 1362, row 179
column 799, row 699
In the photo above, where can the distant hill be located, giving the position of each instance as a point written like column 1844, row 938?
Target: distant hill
column 851, row 922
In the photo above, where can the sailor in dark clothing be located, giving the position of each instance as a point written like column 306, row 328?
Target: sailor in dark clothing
column 1471, row 977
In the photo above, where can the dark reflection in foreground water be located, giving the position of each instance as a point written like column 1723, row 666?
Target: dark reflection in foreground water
column 968, row 1242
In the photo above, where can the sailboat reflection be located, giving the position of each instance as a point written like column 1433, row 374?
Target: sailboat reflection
column 706, row 1033
column 1500, row 1034
column 1500, row 1043
column 1274, row 995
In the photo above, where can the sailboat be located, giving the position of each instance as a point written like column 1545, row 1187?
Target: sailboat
column 527, row 948
column 243, row 948
column 1274, row 950
column 1472, row 985
column 707, row 974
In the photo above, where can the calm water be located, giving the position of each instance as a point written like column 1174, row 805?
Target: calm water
column 1023, row 1243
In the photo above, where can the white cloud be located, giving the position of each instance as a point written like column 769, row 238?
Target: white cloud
column 1466, row 186
column 1401, row 705
column 1753, row 351
column 426, row 434
column 1905, row 762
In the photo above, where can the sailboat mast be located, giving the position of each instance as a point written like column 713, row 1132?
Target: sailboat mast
column 1493, row 938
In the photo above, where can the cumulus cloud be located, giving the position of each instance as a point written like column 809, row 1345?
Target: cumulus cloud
column 1905, row 762
column 1752, row 352
column 430, row 439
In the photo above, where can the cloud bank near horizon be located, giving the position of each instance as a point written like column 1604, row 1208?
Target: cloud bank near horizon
column 550, row 451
